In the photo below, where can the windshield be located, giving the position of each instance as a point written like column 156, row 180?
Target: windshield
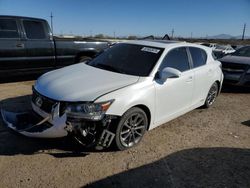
column 244, row 51
column 129, row 59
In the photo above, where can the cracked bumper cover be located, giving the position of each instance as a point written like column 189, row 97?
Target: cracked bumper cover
column 40, row 124
column 36, row 123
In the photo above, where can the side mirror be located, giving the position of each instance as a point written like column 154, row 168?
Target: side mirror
column 169, row 72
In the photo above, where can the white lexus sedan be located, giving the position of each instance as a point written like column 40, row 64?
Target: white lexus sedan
column 114, row 98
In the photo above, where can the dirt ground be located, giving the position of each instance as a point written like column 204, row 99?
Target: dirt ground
column 204, row 148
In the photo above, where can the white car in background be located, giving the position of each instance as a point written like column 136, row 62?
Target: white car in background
column 128, row 89
column 213, row 45
column 210, row 45
column 225, row 49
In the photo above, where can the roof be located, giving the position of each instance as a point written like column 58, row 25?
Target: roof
column 20, row 17
column 166, row 44
column 153, row 43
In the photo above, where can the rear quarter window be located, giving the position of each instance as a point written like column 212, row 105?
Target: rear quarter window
column 8, row 28
column 34, row 29
column 199, row 56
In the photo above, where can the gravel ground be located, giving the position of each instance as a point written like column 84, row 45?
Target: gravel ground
column 204, row 148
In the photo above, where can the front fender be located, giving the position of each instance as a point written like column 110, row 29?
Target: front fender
column 141, row 93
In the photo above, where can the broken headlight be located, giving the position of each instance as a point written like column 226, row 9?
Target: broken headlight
column 90, row 111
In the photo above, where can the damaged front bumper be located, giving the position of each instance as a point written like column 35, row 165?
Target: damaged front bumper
column 33, row 124
column 37, row 123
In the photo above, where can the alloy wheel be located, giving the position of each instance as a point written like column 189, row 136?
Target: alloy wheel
column 132, row 130
column 212, row 94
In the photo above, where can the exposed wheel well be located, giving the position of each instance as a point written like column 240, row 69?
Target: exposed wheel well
column 219, row 85
column 147, row 111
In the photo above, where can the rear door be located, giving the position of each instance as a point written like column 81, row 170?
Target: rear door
column 12, row 51
column 202, row 74
column 38, row 43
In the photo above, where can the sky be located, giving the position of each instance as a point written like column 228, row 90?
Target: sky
column 137, row 17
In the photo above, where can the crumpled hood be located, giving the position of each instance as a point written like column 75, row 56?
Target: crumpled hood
column 81, row 82
column 236, row 59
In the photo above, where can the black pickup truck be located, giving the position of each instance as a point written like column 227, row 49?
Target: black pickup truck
column 27, row 45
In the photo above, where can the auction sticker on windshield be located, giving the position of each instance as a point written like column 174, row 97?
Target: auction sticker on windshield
column 152, row 50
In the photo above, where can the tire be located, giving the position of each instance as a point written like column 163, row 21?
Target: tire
column 211, row 96
column 131, row 128
column 84, row 58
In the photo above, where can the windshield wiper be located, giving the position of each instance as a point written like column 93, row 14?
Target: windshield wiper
column 108, row 67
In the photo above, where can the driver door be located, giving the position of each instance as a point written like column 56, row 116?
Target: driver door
column 174, row 96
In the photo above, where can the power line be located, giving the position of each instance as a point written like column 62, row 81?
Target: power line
column 243, row 34
column 172, row 33
column 51, row 22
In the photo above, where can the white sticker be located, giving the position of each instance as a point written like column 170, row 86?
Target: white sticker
column 152, row 50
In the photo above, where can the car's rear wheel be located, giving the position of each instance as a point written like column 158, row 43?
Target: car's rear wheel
column 211, row 96
column 131, row 128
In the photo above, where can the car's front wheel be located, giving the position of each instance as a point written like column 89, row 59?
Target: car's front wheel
column 211, row 96
column 131, row 128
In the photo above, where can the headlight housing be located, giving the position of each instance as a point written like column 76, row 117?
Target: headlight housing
column 90, row 111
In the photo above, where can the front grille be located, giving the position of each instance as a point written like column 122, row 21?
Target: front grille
column 46, row 103
column 28, row 122
column 39, row 128
column 233, row 67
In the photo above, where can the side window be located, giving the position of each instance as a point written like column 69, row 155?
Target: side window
column 199, row 56
column 34, row 29
column 8, row 28
column 176, row 58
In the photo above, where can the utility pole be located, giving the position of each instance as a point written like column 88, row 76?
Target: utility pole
column 172, row 35
column 243, row 34
column 51, row 22
column 191, row 35
column 114, row 35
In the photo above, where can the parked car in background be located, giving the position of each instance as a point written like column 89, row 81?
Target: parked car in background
column 236, row 67
column 222, row 50
column 225, row 49
column 210, row 45
column 27, row 44
column 129, row 89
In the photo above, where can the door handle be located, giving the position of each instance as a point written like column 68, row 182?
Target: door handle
column 20, row 45
column 190, row 79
